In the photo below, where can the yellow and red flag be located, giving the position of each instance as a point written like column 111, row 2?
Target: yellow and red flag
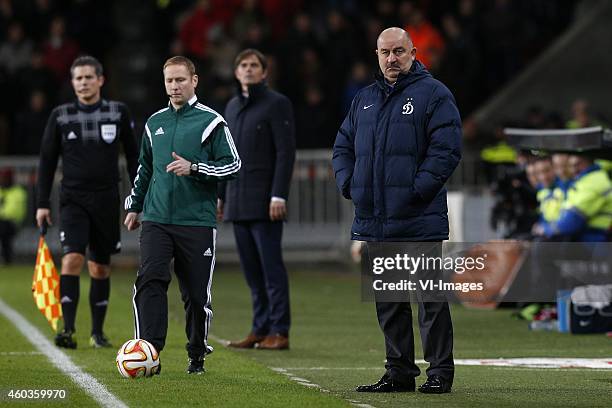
column 45, row 285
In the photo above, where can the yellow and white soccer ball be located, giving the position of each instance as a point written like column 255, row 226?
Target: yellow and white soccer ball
column 137, row 358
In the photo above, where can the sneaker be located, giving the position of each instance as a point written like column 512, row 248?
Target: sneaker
column 65, row 340
column 99, row 341
column 196, row 365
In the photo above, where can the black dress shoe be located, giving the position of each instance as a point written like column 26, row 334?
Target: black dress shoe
column 386, row 384
column 435, row 385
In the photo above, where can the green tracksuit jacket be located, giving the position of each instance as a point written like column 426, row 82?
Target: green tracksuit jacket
column 198, row 134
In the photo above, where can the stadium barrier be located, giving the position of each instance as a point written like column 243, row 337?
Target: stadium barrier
column 319, row 218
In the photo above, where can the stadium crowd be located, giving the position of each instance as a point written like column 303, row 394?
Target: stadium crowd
column 549, row 197
column 320, row 51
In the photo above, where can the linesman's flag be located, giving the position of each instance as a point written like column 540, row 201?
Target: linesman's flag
column 45, row 285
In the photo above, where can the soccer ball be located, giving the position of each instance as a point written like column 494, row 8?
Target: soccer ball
column 137, row 358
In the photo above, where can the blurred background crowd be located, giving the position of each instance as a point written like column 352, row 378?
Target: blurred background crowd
column 321, row 52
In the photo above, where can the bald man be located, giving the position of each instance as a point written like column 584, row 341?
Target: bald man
column 399, row 143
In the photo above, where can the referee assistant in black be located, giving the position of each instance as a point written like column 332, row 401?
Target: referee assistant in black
column 87, row 134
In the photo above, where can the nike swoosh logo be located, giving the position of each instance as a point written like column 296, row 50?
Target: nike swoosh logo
column 369, row 106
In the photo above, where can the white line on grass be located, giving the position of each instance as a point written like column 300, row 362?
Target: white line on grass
column 570, row 369
column 302, row 381
column 59, row 359
column 20, row 353
column 306, row 383
column 530, row 363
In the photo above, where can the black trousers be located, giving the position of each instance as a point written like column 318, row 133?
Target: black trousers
column 435, row 327
column 193, row 250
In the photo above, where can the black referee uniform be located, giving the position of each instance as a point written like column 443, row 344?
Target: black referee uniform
column 88, row 138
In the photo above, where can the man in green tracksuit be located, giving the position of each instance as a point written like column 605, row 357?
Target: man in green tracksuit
column 186, row 149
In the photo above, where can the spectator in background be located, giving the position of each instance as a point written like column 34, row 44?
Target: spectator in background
column 276, row 12
column 316, row 131
column 360, row 77
column 250, row 13
column 261, row 121
column 499, row 158
column 255, row 37
column 224, row 48
column 338, row 53
column 339, row 44
column 40, row 17
column 13, row 205
column 373, row 27
column 30, row 125
column 194, row 31
column 6, row 15
column 387, row 14
column 37, row 77
column 535, row 118
column 501, row 26
column 554, row 194
column 467, row 16
column 586, row 214
column 16, row 50
column 426, row 37
column 299, row 38
column 460, row 56
column 516, row 207
column 582, row 116
column 549, row 202
column 15, row 54
column 59, row 51
column 562, row 169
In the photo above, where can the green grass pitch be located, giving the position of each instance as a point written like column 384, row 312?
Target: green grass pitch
column 335, row 343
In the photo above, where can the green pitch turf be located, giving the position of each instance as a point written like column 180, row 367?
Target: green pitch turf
column 335, row 343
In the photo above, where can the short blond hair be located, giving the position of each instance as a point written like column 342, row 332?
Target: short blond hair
column 180, row 60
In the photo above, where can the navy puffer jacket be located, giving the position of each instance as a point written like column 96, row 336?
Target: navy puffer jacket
column 393, row 153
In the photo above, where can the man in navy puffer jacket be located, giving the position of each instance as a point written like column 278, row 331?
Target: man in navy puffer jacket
column 399, row 143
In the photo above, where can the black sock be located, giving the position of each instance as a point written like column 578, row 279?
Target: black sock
column 98, row 300
column 69, row 298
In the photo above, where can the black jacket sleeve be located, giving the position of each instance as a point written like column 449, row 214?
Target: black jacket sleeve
column 343, row 160
column 50, row 149
column 283, row 135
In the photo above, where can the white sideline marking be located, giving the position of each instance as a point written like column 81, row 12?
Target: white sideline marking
column 60, row 360
column 20, row 353
column 302, row 381
column 218, row 339
column 544, row 363
column 541, row 362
